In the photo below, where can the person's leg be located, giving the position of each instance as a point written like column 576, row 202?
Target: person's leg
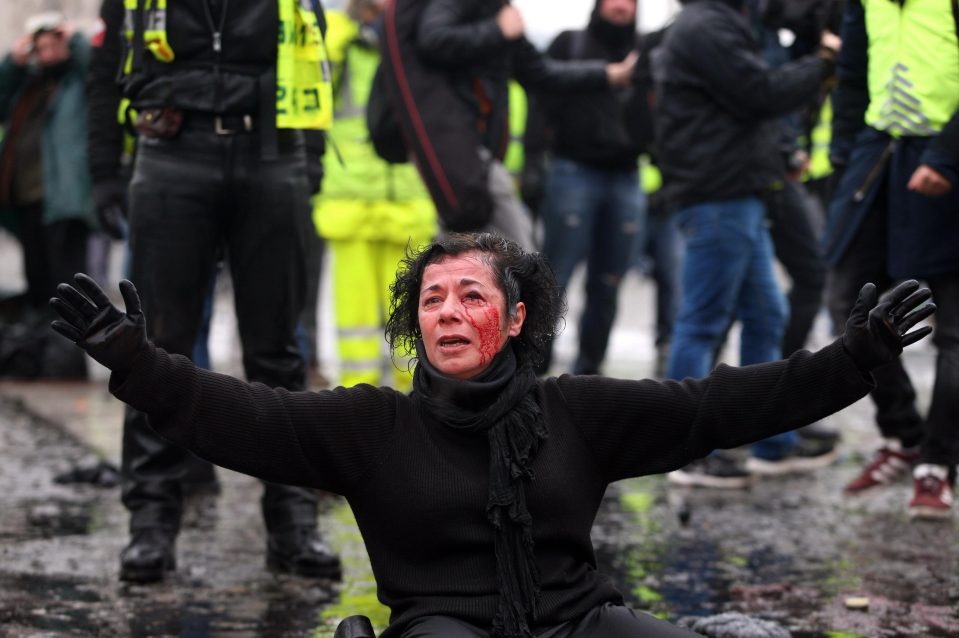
column 569, row 212
column 934, row 478
column 940, row 446
column 442, row 627
column 762, row 309
column 269, row 217
column 616, row 232
column 510, row 217
column 716, row 261
column 315, row 249
column 31, row 233
column 616, row 621
column 797, row 246
column 358, row 317
column 173, row 231
column 898, row 419
column 667, row 272
column 864, row 262
column 763, row 312
column 67, row 243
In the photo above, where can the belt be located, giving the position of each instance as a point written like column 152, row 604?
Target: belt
column 220, row 124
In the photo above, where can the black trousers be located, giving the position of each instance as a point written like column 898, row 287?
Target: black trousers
column 894, row 396
column 189, row 196
column 605, row 621
column 52, row 253
column 795, row 230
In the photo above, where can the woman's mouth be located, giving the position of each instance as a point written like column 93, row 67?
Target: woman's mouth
column 452, row 342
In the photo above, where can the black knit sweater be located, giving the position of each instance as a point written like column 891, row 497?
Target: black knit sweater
column 419, row 493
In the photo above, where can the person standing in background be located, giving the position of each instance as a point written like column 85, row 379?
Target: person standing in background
column 895, row 214
column 448, row 64
column 593, row 206
column 221, row 93
column 370, row 210
column 45, row 198
column 717, row 145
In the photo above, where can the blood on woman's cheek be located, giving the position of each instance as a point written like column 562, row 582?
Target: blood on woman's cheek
column 488, row 327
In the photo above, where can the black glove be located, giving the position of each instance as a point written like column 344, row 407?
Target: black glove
column 111, row 337
column 876, row 333
column 110, row 199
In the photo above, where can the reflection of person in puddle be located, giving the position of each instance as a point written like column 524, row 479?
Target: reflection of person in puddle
column 475, row 494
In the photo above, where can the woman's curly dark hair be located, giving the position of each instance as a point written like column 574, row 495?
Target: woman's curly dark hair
column 522, row 276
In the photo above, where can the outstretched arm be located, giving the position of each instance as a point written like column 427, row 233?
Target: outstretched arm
column 325, row 440
column 647, row 427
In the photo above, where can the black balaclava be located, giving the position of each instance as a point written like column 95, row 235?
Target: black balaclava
column 619, row 40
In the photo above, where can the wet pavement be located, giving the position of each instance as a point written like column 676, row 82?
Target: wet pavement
column 791, row 550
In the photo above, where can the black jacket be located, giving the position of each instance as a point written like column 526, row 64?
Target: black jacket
column 190, row 82
column 419, row 490
column 447, row 66
column 199, row 78
column 716, row 135
column 462, row 39
column 592, row 128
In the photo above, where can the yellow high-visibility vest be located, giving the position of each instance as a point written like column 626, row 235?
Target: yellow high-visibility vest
column 913, row 66
column 304, row 89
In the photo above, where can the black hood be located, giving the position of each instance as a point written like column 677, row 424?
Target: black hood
column 619, row 40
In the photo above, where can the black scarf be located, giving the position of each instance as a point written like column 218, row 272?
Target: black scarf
column 499, row 402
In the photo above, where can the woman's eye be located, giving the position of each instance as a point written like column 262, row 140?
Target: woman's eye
column 431, row 301
column 473, row 297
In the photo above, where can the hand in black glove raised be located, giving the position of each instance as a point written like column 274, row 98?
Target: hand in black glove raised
column 111, row 337
column 876, row 332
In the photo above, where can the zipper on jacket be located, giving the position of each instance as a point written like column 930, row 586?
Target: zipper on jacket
column 875, row 172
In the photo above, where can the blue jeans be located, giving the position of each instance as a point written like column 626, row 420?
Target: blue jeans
column 728, row 274
column 661, row 257
column 594, row 215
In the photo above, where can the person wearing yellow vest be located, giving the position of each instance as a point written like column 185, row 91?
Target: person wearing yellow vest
column 895, row 215
column 220, row 93
column 370, row 210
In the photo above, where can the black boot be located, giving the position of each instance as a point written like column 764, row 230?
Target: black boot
column 150, row 554
column 299, row 550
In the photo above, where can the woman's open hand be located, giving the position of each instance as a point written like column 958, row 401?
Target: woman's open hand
column 110, row 336
column 877, row 331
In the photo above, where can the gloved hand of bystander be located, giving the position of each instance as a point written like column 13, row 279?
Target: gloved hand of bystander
column 111, row 337
column 876, row 332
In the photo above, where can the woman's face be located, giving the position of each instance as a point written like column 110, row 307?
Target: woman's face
column 462, row 315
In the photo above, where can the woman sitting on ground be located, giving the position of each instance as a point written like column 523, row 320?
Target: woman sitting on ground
column 475, row 493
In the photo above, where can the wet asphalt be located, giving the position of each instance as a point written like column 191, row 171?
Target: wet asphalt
column 792, row 550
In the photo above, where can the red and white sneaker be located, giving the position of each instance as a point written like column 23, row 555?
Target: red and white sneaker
column 890, row 464
column 932, row 494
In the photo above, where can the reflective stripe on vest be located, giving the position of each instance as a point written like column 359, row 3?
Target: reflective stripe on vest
column 913, row 66
column 154, row 34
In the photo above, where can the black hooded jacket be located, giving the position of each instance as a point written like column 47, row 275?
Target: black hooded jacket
column 587, row 128
column 717, row 100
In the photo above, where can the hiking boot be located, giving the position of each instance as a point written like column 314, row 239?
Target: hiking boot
column 807, row 455
column 932, row 494
column 716, row 470
column 299, row 550
column 150, row 554
column 890, row 463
